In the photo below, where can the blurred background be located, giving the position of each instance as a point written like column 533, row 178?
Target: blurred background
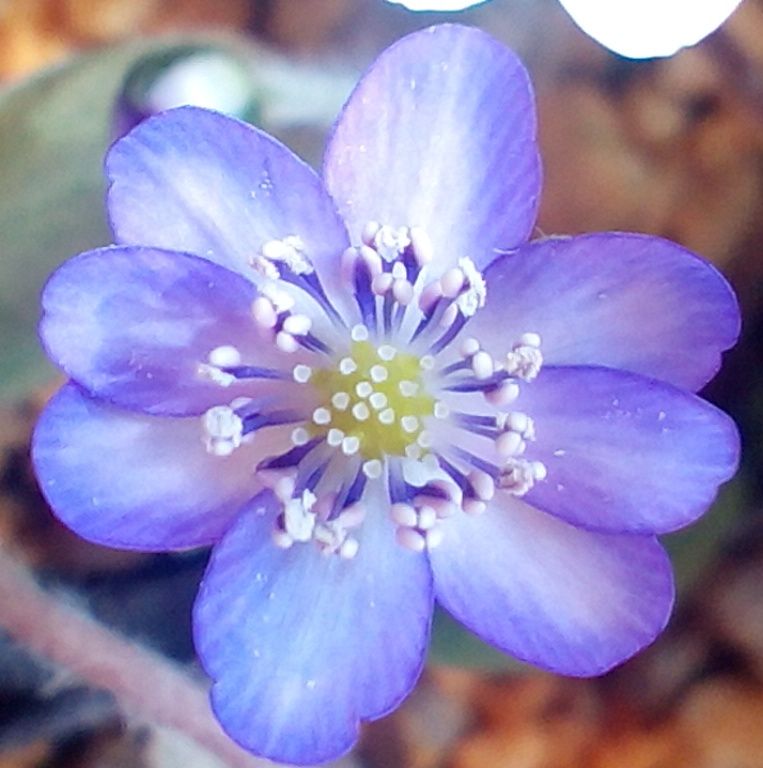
column 672, row 147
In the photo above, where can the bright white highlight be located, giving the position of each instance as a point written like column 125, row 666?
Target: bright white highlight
column 437, row 5
column 642, row 29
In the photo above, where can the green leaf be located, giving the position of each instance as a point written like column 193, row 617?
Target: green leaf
column 454, row 646
column 54, row 130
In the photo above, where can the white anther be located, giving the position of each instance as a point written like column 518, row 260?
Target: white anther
column 334, row 437
column 264, row 267
column 349, row 548
column 509, row 444
column 434, row 537
column 422, row 245
column 351, row 516
column 302, row 373
column 361, row 411
column 223, row 429
column 282, row 300
column 300, row 436
column 449, row 316
column 474, row 296
column 519, row 422
column 391, row 242
column 426, row 518
column 283, row 486
column 409, row 424
column 379, row 373
column 424, row 439
column 298, row 517
column 386, row 352
column 482, row 365
column 429, row 296
column 413, row 451
column 347, row 366
column 387, row 416
column 518, row 476
column 408, row 388
column 286, row 342
column 504, row 394
column 452, row 282
column 411, row 539
column 214, row 374
column 525, row 360
column 264, row 312
column 364, row 388
column 372, row 469
column 377, row 400
column 482, row 484
column 427, row 362
column 530, row 340
column 350, row 445
column 441, row 410
column 473, row 507
column 398, row 271
column 402, row 290
column 282, row 539
column 322, row 416
column 382, row 283
column 340, row 400
column 469, row 346
column 297, row 325
column 359, row 332
column 403, row 515
column 225, row 356
column 290, row 251
column 369, row 232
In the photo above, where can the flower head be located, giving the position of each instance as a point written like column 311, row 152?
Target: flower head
column 369, row 391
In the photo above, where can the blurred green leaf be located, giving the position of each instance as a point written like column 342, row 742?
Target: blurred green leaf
column 694, row 549
column 454, row 646
column 54, row 130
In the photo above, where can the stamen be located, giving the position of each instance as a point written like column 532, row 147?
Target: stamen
column 386, row 352
column 360, row 411
column 223, row 429
column 373, row 469
column 289, row 251
column 378, row 373
column 350, row 445
column 302, row 373
column 378, row 400
column 347, row 366
column 225, row 356
column 518, row 476
column 475, row 295
column 525, row 359
column 340, row 400
column 335, row 437
column 322, row 416
column 359, row 333
column 300, row 436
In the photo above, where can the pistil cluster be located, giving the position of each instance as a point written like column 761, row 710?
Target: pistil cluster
column 382, row 400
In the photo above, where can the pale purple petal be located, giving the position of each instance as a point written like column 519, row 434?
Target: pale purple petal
column 303, row 646
column 137, row 325
column 565, row 599
column 627, row 301
column 196, row 181
column 625, row 453
column 138, row 482
column 440, row 134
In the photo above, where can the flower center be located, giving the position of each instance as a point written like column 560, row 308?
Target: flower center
column 374, row 401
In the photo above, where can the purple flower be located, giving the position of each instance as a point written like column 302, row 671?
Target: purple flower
column 369, row 391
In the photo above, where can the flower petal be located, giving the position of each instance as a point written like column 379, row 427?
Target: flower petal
column 567, row 600
column 196, row 181
column 302, row 646
column 133, row 325
column 440, row 134
column 137, row 482
column 642, row 29
column 635, row 302
column 624, row 453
